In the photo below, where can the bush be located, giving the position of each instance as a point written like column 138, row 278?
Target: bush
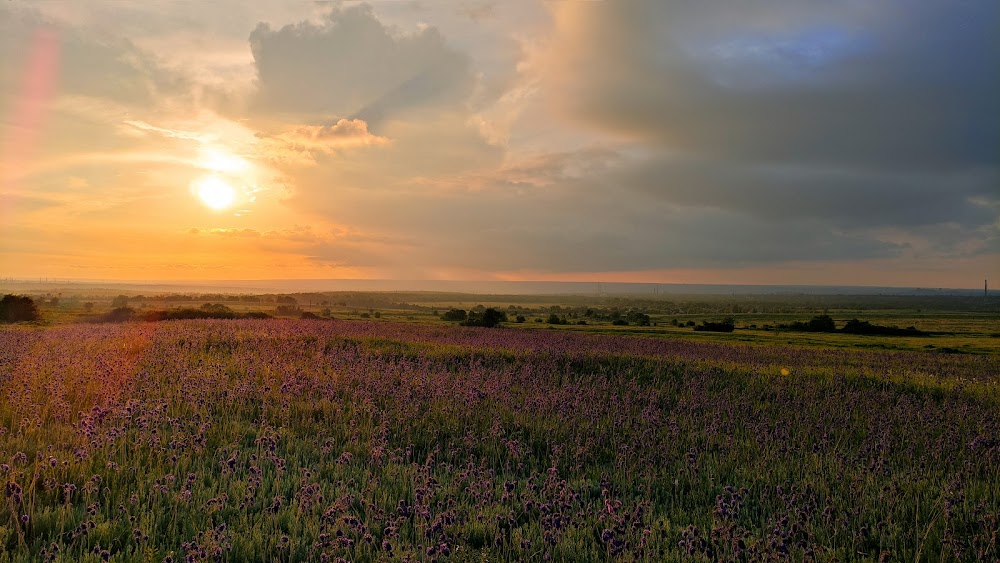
column 619, row 322
column 555, row 319
column 854, row 326
column 18, row 308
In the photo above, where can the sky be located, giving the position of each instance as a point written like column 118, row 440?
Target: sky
column 764, row 142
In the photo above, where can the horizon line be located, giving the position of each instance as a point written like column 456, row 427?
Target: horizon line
column 210, row 282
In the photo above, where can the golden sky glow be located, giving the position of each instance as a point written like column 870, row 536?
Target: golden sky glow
column 582, row 141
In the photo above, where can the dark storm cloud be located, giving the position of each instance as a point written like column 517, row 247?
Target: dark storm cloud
column 353, row 66
column 788, row 130
column 889, row 84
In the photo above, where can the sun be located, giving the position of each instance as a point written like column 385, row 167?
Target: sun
column 215, row 192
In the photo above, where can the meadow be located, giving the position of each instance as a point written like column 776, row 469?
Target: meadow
column 349, row 440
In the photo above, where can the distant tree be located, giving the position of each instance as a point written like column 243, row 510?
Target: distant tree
column 554, row 319
column 309, row 315
column 120, row 301
column 820, row 323
column 17, row 308
column 619, row 322
column 637, row 318
column 88, row 307
column 377, row 314
column 488, row 318
column 455, row 315
column 519, row 319
column 326, row 312
column 365, row 315
column 287, row 310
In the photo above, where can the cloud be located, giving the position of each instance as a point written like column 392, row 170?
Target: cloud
column 849, row 198
column 563, row 213
column 353, row 66
column 300, row 144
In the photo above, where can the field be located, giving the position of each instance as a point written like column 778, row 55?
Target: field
column 297, row 440
column 953, row 323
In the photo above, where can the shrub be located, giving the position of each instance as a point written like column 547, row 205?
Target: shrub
column 188, row 313
column 820, row 323
column 726, row 325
